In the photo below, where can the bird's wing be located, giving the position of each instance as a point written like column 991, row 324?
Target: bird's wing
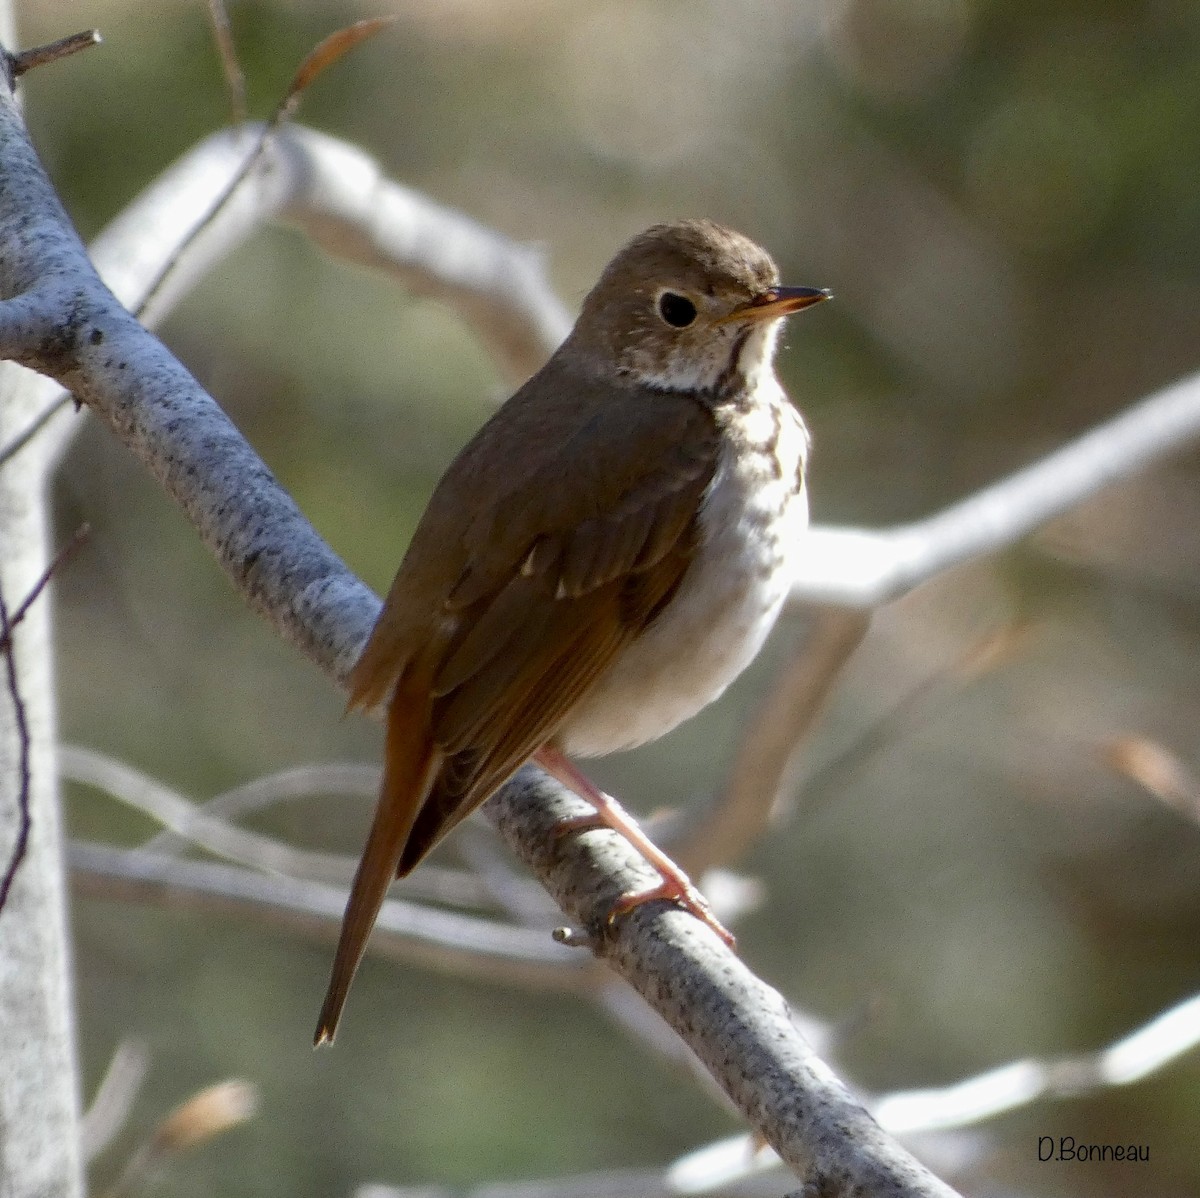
column 552, row 541
column 562, row 573
column 571, row 480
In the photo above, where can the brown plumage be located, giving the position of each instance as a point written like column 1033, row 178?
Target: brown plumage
column 565, row 531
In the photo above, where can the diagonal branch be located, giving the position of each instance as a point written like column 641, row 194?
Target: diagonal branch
column 866, row 567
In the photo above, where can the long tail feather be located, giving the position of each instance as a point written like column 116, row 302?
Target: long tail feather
column 411, row 765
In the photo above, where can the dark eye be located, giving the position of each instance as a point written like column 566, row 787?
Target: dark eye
column 677, row 310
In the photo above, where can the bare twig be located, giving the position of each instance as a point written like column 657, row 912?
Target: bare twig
column 299, row 782
column 771, row 740
column 324, row 55
column 187, row 823
column 66, row 552
column 38, row 56
column 35, row 426
column 863, row 568
column 338, row 197
column 185, row 819
column 235, row 78
column 1142, row 1052
column 21, row 845
column 114, row 1098
column 456, row 944
column 833, row 776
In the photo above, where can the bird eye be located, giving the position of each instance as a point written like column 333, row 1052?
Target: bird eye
column 677, row 310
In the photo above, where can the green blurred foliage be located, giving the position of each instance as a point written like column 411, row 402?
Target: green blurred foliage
column 1005, row 196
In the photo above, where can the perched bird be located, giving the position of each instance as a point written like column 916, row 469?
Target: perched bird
column 603, row 558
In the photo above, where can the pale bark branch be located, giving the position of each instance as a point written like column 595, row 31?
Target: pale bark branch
column 205, row 826
column 859, row 567
column 195, row 824
column 1134, row 1057
column 742, row 810
column 452, row 943
column 113, row 1101
column 338, row 196
column 740, row 1028
column 738, row 1165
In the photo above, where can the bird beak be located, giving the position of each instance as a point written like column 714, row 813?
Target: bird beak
column 779, row 301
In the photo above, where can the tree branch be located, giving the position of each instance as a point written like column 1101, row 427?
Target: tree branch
column 739, row 816
column 460, row 945
column 741, row 1028
column 861, row 567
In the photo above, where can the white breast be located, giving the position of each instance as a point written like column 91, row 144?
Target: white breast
column 727, row 603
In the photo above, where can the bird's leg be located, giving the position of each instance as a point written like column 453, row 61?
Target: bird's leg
column 675, row 885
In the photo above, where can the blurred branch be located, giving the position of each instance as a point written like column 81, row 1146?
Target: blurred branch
column 194, row 824
column 186, row 823
column 38, row 56
column 833, row 776
column 329, row 51
column 336, row 194
column 457, row 944
column 861, row 567
column 231, row 68
column 299, row 782
column 1143, row 1052
column 114, row 1098
column 771, row 740
column 740, row 1166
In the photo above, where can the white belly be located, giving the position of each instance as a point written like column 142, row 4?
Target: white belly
column 726, row 604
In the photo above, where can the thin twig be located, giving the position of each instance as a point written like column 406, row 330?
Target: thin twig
column 325, row 53
column 458, row 945
column 283, row 786
column 185, row 819
column 768, row 749
column 235, row 77
column 60, row 558
column 110, row 1108
column 833, row 776
column 861, row 567
column 22, row 726
column 38, row 423
column 1135, row 1056
column 186, row 823
column 37, row 56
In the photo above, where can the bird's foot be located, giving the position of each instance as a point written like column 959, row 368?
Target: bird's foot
column 675, row 886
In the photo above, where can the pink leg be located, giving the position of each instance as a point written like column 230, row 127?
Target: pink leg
column 675, row 885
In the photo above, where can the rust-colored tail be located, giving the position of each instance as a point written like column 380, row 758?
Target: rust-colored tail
column 410, row 768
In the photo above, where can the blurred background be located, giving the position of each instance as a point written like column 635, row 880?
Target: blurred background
column 1005, row 197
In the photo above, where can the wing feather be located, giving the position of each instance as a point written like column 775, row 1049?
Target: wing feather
column 588, row 524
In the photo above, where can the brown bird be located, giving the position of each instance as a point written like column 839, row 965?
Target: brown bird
column 603, row 558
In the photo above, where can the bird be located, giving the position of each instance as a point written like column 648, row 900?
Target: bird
column 605, row 555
